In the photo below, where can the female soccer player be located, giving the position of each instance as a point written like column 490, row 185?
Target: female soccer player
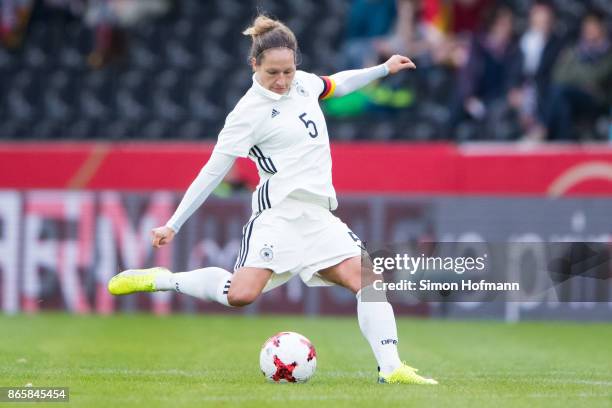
column 279, row 125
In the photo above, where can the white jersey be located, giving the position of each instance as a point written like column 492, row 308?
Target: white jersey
column 286, row 136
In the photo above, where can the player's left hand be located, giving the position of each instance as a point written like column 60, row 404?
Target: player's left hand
column 398, row 62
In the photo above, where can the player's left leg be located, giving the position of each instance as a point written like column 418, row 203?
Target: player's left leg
column 376, row 318
column 213, row 284
column 253, row 271
column 210, row 283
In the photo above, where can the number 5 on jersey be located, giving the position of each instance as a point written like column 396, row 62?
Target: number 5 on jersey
column 313, row 132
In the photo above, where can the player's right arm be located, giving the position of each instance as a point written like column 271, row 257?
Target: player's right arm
column 206, row 181
column 235, row 140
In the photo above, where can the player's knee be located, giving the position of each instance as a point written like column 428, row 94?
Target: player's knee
column 241, row 297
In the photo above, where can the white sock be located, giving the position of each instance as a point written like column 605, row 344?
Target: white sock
column 207, row 283
column 377, row 323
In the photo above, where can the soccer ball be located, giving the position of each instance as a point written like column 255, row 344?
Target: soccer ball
column 288, row 357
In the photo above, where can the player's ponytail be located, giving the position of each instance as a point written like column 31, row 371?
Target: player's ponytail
column 267, row 33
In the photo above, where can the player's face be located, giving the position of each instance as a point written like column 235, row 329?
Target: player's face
column 276, row 70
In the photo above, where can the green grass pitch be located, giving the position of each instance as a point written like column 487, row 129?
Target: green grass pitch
column 200, row 360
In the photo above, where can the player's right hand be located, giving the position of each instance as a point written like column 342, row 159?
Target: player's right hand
column 161, row 236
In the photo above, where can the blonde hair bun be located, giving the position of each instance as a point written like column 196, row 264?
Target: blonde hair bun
column 261, row 25
column 267, row 33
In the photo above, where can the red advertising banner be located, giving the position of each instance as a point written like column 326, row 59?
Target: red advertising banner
column 432, row 169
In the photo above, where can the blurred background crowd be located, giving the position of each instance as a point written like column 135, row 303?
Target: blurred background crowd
column 514, row 70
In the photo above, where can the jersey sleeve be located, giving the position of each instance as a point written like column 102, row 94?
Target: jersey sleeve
column 329, row 86
column 237, row 136
column 322, row 86
column 207, row 180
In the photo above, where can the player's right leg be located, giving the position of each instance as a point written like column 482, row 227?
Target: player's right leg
column 376, row 319
column 213, row 284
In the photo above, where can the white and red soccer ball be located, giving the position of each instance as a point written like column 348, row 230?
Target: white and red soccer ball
column 288, row 357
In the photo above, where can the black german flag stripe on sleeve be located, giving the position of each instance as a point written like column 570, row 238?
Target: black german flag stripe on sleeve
column 329, row 86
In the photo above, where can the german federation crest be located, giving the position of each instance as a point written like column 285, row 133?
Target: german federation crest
column 266, row 254
column 301, row 91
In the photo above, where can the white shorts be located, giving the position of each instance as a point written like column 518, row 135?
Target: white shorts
column 296, row 238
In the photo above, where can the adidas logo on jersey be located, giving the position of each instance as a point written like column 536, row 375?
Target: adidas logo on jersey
column 275, row 113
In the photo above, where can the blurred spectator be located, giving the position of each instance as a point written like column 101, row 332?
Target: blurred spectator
column 400, row 35
column 14, row 17
column 75, row 7
column 109, row 18
column 449, row 26
column 484, row 81
column 467, row 15
column 376, row 29
column 433, row 30
column 109, row 39
column 367, row 20
column 537, row 54
column 582, row 80
column 125, row 13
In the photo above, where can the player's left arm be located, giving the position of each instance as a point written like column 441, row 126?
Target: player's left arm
column 345, row 82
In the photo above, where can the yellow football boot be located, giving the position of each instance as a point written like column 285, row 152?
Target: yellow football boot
column 135, row 280
column 404, row 374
